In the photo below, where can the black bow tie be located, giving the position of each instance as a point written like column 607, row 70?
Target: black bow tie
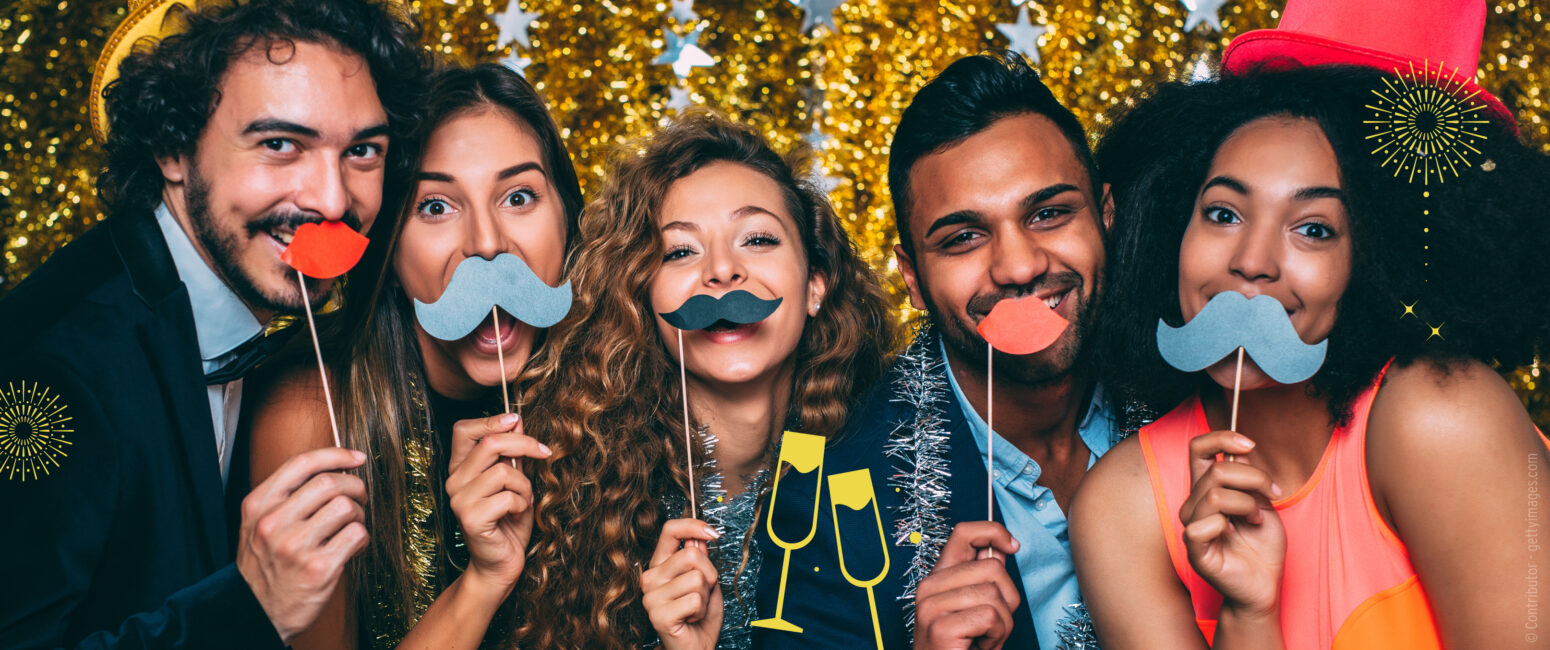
column 251, row 353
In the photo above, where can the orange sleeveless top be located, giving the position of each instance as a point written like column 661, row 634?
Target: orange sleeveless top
column 1348, row 581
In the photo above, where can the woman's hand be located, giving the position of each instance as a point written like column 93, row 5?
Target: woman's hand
column 1232, row 533
column 492, row 498
column 682, row 590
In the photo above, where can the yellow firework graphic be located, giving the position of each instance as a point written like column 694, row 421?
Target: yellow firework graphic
column 33, row 424
column 1425, row 124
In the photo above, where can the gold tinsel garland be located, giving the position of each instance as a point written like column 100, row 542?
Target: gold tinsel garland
column 594, row 60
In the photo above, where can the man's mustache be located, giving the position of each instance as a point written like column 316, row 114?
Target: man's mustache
column 738, row 306
column 479, row 285
column 980, row 306
column 294, row 220
column 1229, row 321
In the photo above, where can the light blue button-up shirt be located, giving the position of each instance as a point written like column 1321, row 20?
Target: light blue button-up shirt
column 222, row 322
column 1033, row 517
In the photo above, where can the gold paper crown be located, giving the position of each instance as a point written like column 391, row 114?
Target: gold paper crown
column 148, row 18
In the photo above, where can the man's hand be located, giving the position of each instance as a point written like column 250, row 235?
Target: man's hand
column 299, row 528
column 968, row 599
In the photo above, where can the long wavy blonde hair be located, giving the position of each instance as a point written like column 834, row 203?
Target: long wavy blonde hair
column 605, row 395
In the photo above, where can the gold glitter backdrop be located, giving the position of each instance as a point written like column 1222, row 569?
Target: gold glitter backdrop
column 595, row 61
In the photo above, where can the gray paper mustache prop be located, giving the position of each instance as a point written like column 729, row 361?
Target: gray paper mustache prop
column 478, row 285
column 738, row 306
column 1259, row 325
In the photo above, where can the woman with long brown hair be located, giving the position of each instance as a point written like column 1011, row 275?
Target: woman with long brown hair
column 493, row 181
column 702, row 208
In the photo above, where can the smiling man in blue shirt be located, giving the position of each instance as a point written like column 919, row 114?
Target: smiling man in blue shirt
column 997, row 197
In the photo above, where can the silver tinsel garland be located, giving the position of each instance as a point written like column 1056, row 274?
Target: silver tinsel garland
column 919, row 448
column 1075, row 630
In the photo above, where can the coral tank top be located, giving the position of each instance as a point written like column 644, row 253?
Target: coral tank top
column 1348, row 581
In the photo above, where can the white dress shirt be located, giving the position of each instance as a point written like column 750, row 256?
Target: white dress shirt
column 221, row 322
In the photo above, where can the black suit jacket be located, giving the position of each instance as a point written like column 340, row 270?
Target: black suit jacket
column 818, row 598
column 119, row 538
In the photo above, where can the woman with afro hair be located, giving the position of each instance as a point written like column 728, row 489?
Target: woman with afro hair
column 1380, row 503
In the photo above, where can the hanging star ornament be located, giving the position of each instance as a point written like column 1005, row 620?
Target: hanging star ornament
column 683, row 11
column 819, row 176
column 683, row 52
column 678, row 98
column 1024, row 35
column 822, row 181
column 1202, row 68
column 816, row 12
column 816, row 138
column 1203, row 11
column 513, row 23
column 517, row 62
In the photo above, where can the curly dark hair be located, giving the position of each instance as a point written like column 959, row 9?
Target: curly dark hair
column 1488, row 277
column 166, row 90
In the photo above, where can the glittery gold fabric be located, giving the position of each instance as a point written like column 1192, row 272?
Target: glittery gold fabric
column 432, row 545
column 422, row 534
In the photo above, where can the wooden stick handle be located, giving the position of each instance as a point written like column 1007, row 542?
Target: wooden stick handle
column 500, row 356
column 306, row 306
column 990, row 436
column 1237, row 383
column 990, row 432
column 683, row 379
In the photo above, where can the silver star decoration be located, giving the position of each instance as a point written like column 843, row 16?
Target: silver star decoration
column 821, row 180
column 678, row 98
column 513, row 23
column 1203, row 11
column 1201, row 69
column 517, row 62
column 815, row 12
column 683, row 52
column 683, row 11
column 1024, row 35
column 817, row 138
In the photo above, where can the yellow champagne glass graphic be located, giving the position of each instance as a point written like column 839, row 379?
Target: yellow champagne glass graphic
column 804, row 453
column 854, row 490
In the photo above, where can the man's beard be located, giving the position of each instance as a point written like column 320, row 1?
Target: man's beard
column 1051, row 365
column 224, row 248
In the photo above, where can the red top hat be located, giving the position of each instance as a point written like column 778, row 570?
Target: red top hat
column 1392, row 35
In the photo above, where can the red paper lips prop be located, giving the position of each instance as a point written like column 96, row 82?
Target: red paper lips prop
column 324, row 250
column 1022, row 326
